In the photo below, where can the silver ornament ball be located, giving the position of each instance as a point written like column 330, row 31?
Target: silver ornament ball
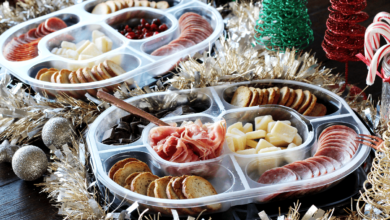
column 29, row 163
column 57, row 131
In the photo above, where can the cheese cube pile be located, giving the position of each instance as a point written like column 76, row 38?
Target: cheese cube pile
column 85, row 49
column 268, row 136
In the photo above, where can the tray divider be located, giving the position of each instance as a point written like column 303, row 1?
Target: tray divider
column 239, row 172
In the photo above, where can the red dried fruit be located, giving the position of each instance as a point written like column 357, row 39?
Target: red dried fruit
column 163, row 27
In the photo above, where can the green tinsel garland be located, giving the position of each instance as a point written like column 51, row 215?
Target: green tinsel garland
column 284, row 24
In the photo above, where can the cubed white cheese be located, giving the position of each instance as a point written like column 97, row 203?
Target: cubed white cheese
column 251, row 143
column 247, row 151
column 248, row 127
column 269, row 149
column 275, row 140
column 54, row 50
column 297, row 140
column 91, row 50
column 237, row 132
column 255, row 134
column 96, row 34
column 263, row 123
column 104, row 44
column 72, row 54
column 237, row 125
column 284, row 132
column 292, row 145
column 83, row 46
column 263, row 144
column 68, row 45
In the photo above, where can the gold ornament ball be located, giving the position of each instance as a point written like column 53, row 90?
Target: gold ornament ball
column 57, row 131
column 29, row 163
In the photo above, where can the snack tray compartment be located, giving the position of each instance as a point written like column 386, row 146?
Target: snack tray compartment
column 81, row 23
column 233, row 175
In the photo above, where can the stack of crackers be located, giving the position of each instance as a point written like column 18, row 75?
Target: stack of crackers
column 302, row 101
column 136, row 176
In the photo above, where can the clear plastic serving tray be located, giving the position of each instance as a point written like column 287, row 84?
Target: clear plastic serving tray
column 234, row 176
column 134, row 55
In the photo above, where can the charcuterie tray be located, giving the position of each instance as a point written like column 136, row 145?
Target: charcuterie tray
column 134, row 56
column 234, row 176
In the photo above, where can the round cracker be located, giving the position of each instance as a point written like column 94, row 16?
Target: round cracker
column 118, row 165
column 306, row 101
column 284, row 95
column 291, row 98
column 311, row 106
column 261, row 96
column 129, row 168
column 265, row 96
column 277, row 95
column 298, row 99
column 255, row 97
column 318, row 110
column 242, row 97
column 271, row 95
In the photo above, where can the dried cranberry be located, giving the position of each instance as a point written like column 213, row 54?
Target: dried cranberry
column 148, row 34
column 156, row 32
column 127, row 27
column 153, row 27
column 147, row 26
column 162, row 27
column 122, row 32
column 139, row 27
column 140, row 36
column 156, row 21
column 143, row 21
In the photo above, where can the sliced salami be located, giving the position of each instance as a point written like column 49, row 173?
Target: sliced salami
column 185, row 42
column 188, row 15
column 338, row 145
column 328, row 165
column 335, row 163
column 278, row 175
column 31, row 35
column 313, row 168
column 338, row 127
column 352, row 146
column 303, row 171
column 54, row 24
column 338, row 154
column 338, row 133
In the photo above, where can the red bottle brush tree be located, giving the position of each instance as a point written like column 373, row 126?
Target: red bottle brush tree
column 344, row 38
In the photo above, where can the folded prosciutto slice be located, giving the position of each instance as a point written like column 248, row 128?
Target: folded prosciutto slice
column 193, row 141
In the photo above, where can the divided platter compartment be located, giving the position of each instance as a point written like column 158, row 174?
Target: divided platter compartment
column 134, row 56
column 234, row 176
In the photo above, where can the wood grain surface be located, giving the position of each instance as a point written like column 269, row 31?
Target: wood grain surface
column 22, row 200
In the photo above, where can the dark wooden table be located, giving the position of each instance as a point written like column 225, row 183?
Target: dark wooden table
column 22, row 200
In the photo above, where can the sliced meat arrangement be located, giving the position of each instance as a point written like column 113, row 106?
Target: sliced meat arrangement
column 194, row 29
column 24, row 47
column 193, row 141
column 336, row 147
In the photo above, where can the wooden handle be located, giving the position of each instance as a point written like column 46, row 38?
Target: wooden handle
column 129, row 108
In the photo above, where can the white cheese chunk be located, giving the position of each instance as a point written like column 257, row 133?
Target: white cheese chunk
column 269, row 149
column 96, row 34
column 104, row 44
column 248, row 127
column 297, row 140
column 247, row 151
column 255, row 134
column 261, row 123
column 237, row 125
column 68, row 45
column 263, row 144
column 284, row 132
column 275, row 140
column 251, row 143
column 83, row 46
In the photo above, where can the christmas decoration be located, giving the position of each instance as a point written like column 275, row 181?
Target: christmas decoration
column 284, row 24
column 7, row 151
column 344, row 37
column 57, row 131
column 29, row 163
